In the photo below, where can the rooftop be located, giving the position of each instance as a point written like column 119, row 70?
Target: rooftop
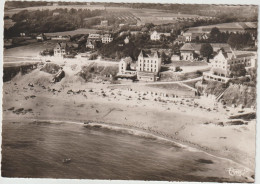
column 148, row 54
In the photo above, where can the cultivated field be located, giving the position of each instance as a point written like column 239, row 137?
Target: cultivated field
column 10, row 12
column 239, row 26
column 72, row 33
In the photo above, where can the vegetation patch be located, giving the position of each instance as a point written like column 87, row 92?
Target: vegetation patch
column 50, row 68
column 89, row 72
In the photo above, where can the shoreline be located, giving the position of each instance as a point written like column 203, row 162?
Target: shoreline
column 158, row 135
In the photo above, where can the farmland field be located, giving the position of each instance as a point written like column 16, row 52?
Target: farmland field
column 123, row 13
column 72, row 33
column 10, row 12
column 225, row 26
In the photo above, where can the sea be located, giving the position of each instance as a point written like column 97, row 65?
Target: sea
column 45, row 149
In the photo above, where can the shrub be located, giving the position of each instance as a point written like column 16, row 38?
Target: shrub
column 178, row 69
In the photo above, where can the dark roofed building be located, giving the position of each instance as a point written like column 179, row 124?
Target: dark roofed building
column 189, row 49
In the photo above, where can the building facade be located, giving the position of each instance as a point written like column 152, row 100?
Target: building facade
column 223, row 62
column 190, row 51
column 61, row 49
column 148, row 66
column 104, row 23
column 124, row 68
column 106, row 38
column 157, row 36
column 94, row 36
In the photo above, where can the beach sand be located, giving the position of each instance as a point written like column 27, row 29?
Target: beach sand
column 184, row 120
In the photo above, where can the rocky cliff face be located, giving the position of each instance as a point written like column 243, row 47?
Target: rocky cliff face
column 240, row 95
column 234, row 94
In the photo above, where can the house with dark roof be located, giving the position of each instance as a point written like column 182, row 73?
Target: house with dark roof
column 148, row 65
column 189, row 51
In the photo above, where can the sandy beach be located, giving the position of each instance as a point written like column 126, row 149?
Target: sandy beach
column 187, row 121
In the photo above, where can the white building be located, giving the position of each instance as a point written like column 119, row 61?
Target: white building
column 126, row 40
column 60, row 49
column 157, row 36
column 222, row 63
column 125, row 67
column 94, row 36
column 104, row 23
column 41, row 37
column 188, row 36
column 148, row 66
column 106, row 38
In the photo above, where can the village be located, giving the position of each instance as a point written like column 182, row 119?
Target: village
column 196, row 57
column 184, row 77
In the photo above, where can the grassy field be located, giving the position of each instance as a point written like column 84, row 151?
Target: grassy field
column 223, row 27
column 186, row 63
column 72, row 33
column 10, row 12
column 171, row 89
column 168, row 86
column 129, row 14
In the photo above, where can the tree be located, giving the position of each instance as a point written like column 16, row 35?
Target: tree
column 237, row 70
column 214, row 32
column 165, row 59
column 206, row 50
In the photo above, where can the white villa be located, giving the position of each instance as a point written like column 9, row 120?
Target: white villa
column 60, row 49
column 126, row 40
column 221, row 64
column 125, row 68
column 148, row 66
column 156, row 36
column 106, row 38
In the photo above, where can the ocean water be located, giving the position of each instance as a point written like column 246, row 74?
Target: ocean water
column 37, row 150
